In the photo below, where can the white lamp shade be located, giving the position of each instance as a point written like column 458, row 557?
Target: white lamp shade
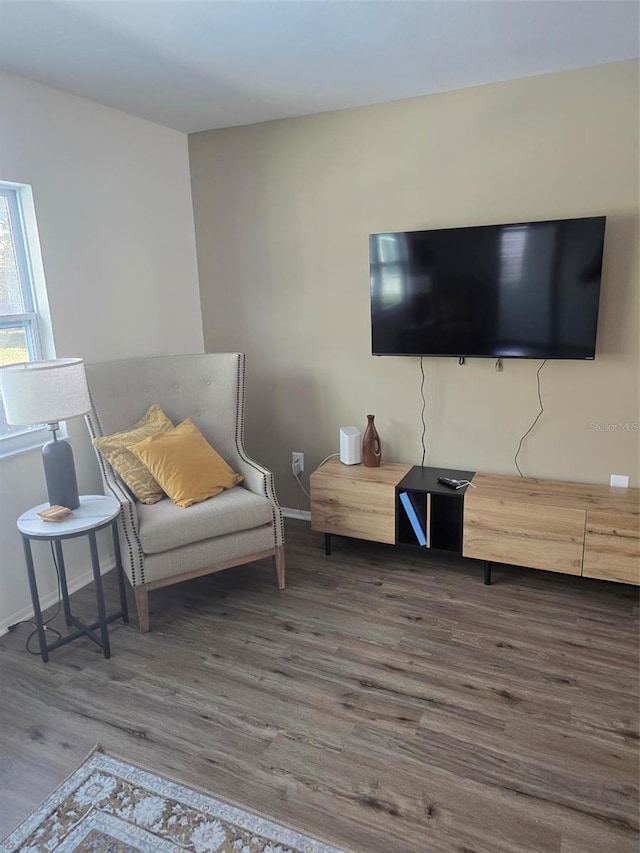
column 43, row 392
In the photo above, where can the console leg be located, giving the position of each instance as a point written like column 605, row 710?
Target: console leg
column 327, row 544
column 487, row 572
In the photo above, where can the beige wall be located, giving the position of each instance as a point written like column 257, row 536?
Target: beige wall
column 113, row 204
column 283, row 210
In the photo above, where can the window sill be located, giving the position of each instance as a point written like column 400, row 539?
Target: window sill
column 13, row 445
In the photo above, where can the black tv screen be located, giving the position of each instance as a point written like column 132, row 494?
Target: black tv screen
column 521, row 290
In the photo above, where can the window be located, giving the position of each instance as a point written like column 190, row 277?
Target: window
column 389, row 262
column 513, row 243
column 23, row 309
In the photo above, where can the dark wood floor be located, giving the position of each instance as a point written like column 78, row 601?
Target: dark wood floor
column 386, row 701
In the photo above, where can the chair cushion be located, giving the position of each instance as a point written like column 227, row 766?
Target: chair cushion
column 185, row 465
column 131, row 470
column 164, row 525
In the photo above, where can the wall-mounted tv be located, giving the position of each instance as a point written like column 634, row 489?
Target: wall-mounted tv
column 520, row 290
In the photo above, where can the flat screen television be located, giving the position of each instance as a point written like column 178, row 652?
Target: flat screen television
column 520, row 290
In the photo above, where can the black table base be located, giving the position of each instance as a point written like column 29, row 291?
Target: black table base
column 98, row 630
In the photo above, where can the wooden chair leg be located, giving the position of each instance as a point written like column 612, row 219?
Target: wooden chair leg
column 278, row 561
column 142, row 606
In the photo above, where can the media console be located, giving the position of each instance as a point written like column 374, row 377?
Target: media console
column 572, row 528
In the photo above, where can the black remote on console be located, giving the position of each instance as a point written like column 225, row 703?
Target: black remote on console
column 450, row 483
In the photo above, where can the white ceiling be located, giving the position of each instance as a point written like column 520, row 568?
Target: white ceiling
column 210, row 64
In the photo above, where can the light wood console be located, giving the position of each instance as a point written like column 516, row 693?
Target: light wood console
column 572, row 528
column 351, row 500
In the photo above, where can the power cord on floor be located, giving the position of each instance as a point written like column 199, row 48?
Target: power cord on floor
column 45, row 624
column 515, row 458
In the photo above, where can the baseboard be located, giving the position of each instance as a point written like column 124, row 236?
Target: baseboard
column 302, row 514
column 26, row 614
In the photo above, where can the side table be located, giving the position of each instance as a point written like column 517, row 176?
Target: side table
column 94, row 513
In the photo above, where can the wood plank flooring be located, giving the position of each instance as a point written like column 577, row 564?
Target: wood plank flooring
column 386, row 701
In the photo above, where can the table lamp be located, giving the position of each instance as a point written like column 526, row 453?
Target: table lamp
column 39, row 392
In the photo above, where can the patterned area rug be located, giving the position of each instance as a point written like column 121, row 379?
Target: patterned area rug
column 108, row 806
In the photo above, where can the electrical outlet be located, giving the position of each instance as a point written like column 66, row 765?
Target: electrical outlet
column 620, row 480
column 297, row 462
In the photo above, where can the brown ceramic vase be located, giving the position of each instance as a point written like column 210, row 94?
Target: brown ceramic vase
column 371, row 447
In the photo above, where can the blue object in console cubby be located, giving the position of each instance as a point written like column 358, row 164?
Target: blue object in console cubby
column 413, row 518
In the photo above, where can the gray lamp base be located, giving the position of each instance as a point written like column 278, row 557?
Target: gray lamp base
column 60, row 474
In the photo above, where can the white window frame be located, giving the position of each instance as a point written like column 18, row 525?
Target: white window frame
column 36, row 318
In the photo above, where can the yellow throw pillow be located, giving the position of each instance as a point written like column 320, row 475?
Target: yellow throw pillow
column 185, row 465
column 114, row 448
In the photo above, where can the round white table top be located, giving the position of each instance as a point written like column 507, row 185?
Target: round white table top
column 94, row 511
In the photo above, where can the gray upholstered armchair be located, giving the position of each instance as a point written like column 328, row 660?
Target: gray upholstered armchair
column 162, row 543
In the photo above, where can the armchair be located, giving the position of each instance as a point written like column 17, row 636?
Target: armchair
column 162, row 543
